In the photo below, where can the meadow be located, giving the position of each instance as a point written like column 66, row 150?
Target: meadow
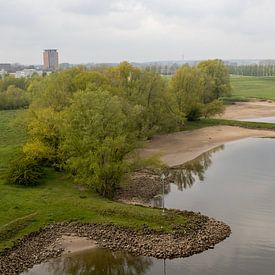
column 246, row 87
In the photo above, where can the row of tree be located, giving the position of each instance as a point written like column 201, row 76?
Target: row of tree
column 253, row 70
column 89, row 121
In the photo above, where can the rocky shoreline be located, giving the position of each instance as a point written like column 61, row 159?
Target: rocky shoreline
column 199, row 234
column 141, row 187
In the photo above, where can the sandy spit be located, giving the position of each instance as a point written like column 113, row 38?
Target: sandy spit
column 178, row 148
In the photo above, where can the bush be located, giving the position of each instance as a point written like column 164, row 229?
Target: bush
column 25, row 171
column 215, row 107
column 194, row 112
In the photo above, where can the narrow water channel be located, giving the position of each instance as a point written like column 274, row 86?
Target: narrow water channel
column 270, row 119
column 234, row 183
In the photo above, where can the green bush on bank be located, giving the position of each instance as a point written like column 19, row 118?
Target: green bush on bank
column 25, row 171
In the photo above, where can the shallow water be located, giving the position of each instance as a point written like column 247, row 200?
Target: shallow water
column 259, row 119
column 234, row 183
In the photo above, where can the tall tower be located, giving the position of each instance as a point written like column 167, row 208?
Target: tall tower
column 50, row 58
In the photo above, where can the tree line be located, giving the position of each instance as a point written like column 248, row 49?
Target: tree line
column 252, row 70
column 88, row 122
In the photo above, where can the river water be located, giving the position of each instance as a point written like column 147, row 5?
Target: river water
column 234, row 183
column 270, row 119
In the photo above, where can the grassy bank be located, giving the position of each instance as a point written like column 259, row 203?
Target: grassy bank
column 23, row 210
column 216, row 122
column 244, row 87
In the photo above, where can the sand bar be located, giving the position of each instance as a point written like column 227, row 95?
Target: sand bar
column 177, row 148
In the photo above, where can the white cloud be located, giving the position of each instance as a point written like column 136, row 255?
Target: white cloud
column 136, row 30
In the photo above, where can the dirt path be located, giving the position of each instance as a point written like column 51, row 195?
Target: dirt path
column 250, row 110
column 177, row 148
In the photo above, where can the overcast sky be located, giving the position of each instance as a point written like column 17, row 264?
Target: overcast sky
column 136, row 30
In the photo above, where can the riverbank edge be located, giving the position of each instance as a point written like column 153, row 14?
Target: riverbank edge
column 200, row 233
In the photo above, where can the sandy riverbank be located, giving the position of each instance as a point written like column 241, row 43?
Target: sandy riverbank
column 177, row 148
column 249, row 110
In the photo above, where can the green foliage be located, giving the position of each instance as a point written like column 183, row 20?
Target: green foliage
column 87, row 121
column 13, row 98
column 187, row 89
column 215, row 107
column 96, row 139
column 25, row 171
column 216, row 79
column 20, row 83
column 260, row 70
column 13, row 93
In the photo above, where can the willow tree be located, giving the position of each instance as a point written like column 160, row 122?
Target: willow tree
column 216, row 79
column 96, row 139
column 187, row 89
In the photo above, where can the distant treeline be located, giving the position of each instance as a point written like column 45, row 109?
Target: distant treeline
column 252, row 70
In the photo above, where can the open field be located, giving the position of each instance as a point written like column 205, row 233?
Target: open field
column 244, row 87
column 23, row 210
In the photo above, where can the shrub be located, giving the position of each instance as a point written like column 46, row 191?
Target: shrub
column 25, row 171
column 194, row 112
column 215, row 107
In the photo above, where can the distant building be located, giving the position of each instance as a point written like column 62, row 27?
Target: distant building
column 27, row 73
column 5, row 67
column 50, row 58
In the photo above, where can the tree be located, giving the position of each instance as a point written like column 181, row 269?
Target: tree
column 13, row 98
column 96, row 139
column 216, row 80
column 187, row 88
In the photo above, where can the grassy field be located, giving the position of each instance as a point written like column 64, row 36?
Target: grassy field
column 192, row 125
column 23, row 210
column 244, row 87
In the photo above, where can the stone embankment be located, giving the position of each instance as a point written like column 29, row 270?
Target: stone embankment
column 200, row 233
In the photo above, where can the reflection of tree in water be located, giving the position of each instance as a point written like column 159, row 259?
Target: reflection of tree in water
column 100, row 262
column 185, row 175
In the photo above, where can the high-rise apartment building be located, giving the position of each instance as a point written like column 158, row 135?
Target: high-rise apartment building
column 50, row 58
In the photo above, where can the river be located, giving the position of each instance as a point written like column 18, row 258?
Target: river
column 234, row 183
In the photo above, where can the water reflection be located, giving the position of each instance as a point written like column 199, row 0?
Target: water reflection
column 97, row 262
column 184, row 176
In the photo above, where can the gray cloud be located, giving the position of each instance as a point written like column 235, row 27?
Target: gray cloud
column 136, row 30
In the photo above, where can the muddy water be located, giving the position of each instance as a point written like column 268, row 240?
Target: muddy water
column 234, row 183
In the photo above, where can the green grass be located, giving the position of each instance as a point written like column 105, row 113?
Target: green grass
column 11, row 137
column 244, row 87
column 192, row 125
column 23, row 210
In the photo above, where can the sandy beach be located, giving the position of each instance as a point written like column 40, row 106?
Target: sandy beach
column 249, row 110
column 177, row 148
